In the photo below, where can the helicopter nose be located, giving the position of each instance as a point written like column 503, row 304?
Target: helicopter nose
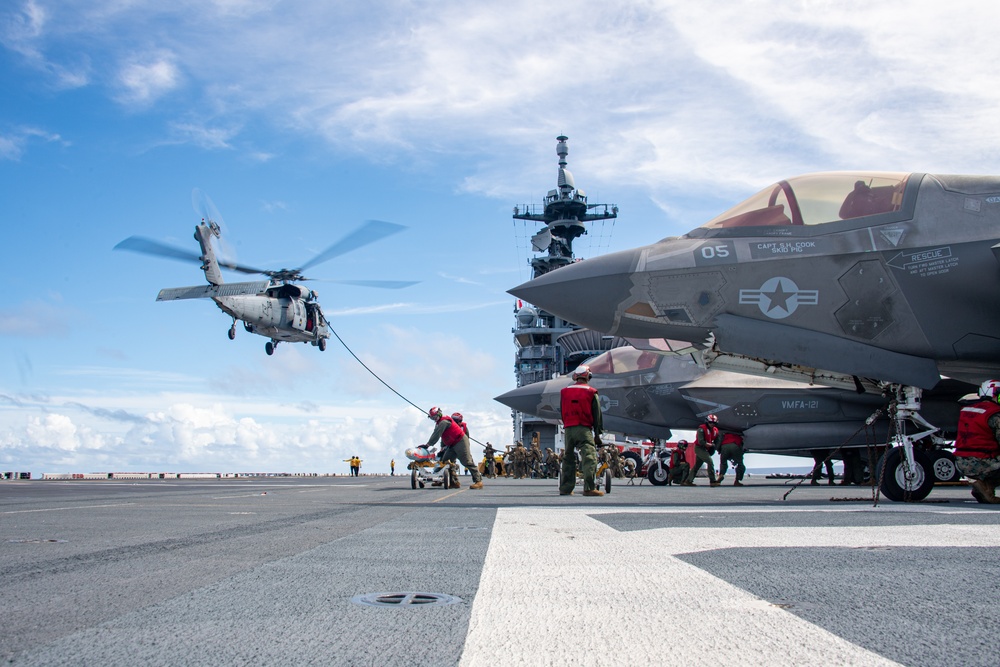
column 586, row 293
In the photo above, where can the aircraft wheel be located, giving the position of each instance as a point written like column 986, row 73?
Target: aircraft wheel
column 943, row 465
column 413, row 479
column 322, row 345
column 658, row 475
column 269, row 348
column 895, row 484
column 232, row 332
column 636, row 463
column 607, row 481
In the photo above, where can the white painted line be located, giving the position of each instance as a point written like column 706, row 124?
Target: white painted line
column 569, row 605
column 60, row 509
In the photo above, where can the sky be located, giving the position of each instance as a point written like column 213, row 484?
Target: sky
column 302, row 120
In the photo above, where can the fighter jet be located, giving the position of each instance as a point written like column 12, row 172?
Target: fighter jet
column 647, row 393
column 850, row 279
column 650, row 394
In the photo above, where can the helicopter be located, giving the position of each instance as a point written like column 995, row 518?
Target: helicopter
column 276, row 308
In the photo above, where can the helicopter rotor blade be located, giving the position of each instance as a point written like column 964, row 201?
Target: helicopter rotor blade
column 146, row 246
column 150, row 247
column 209, row 213
column 369, row 232
column 381, row 284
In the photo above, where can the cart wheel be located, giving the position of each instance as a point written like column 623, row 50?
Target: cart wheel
column 413, row 479
column 446, row 478
column 607, row 481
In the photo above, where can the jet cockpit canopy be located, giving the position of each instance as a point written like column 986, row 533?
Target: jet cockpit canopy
column 816, row 199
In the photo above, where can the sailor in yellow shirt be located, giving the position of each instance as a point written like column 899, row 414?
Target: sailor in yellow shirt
column 355, row 465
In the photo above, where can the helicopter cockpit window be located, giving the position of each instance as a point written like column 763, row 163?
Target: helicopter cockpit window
column 621, row 360
column 816, row 199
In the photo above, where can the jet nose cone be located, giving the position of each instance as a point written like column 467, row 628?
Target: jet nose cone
column 526, row 399
column 586, row 293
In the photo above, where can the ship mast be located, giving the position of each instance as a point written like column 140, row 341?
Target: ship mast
column 547, row 345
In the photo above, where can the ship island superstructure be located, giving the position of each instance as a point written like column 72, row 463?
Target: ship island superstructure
column 546, row 345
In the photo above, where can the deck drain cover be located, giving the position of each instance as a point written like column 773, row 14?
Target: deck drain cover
column 408, row 599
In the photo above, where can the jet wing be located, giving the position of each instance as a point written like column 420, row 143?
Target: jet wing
column 793, row 345
column 212, row 291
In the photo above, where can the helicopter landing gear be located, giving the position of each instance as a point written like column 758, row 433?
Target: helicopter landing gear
column 232, row 331
column 269, row 347
column 322, row 345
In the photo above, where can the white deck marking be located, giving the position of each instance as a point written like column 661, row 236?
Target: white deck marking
column 553, row 575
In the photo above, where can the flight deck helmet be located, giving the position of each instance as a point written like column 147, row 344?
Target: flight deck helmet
column 990, row 389
column 582, row 372
column 682, row 444
column 712, row 419
column 435, row 413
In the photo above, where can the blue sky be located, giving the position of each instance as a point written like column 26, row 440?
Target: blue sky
column 302, row 120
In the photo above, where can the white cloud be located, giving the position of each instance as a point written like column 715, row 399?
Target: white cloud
column 674, row 96
column 13, row 145
column 222, row 437
column 143, row 81
column 210, row 138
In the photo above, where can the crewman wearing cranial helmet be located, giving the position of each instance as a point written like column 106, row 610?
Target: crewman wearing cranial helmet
column 679, row 466
column 977, row 443
column 709, row 438
column 454, row 436
column 581, row 416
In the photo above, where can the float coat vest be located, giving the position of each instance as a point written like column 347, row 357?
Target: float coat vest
column 710, row 433
column 452, row 434
column 975, row 438
column 576, row 401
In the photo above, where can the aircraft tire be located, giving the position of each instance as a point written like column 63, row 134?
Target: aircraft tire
column 943, row 465
column 636, row 459
column 322, row 345
column 890, row 470
column 658, row 475
column 413, row 479
column 607, row 481
column 269, row 348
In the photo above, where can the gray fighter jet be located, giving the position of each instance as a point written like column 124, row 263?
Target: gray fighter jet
column 893, row 277
column 846, row 279
column 649, row 394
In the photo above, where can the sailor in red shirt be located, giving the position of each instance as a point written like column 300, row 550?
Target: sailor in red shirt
column 709, row 438
column 454, row 435
column 977, row 444
column 581, row 416
column 731, row 449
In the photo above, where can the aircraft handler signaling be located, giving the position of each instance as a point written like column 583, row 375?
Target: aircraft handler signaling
column 977, row 444
column 455, row 445
column 581, row 416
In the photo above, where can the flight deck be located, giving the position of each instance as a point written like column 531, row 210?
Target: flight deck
column 365, row 571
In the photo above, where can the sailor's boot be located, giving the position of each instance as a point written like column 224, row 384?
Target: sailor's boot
column 982, row 492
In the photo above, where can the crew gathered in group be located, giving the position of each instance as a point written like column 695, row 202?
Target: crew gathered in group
column 976, row 449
